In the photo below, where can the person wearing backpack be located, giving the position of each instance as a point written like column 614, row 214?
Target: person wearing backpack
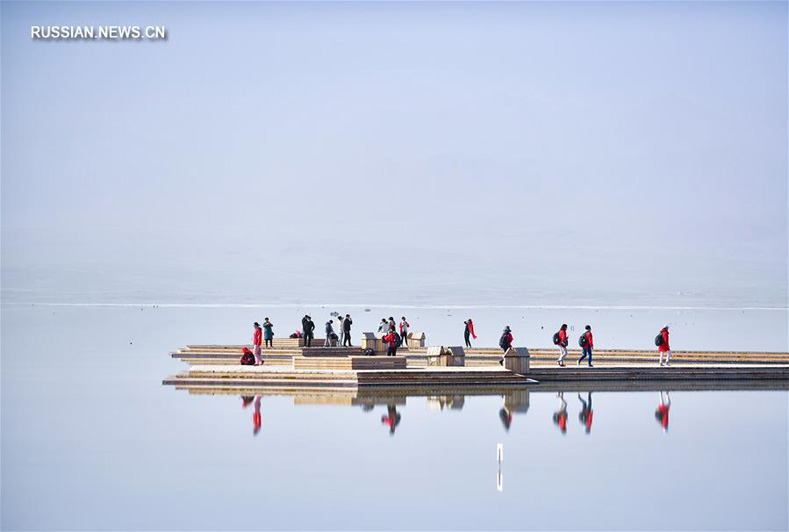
column 268, row 333
column 394, row 340
column 560, row 339
column 505, row 342
column 404, row 331
column 587, row 343
column 662, row 344
column 257, row 339
column 346, row 330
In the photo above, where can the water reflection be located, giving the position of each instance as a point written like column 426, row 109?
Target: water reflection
column 586, row 414
column 661, row 413
column 392, row 418
column 560, row 416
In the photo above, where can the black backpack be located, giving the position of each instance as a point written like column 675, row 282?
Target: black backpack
column 556, row 338
column 659, row 340
column 503, row 341
column 582, row 341
column 398, row 341
column 369, row 352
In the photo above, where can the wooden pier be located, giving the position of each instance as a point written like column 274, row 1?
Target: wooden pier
column 291, row 366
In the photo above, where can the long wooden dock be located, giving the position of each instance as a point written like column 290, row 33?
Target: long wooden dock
column 304, row 368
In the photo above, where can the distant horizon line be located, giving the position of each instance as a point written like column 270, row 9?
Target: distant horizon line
column 380, row 305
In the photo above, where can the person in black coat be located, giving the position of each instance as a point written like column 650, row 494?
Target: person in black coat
column 346, row 329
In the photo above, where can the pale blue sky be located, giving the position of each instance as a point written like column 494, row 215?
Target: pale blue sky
column 555, row 152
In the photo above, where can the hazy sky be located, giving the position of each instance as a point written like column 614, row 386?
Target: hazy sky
column 553, row 152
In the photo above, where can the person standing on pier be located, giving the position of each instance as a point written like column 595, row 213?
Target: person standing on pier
column 469, row 332
column 561, row 341
column 587, row 343
column 268, row 333
column 383, row 327
column 257, row 339
column 309, row 330
column 329, row 333
column 392, row 324
column 663, row 346
column 404, row 331
column 340, row 330
column 585, row 416
column 346, row 330
column 505, row 342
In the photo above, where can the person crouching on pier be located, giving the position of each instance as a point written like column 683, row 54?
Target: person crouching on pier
column 663, row 347
column 257, row 339
column 561, row 341
column 587, row 343
column 393, row 339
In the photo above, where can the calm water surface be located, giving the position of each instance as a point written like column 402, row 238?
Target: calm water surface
column 92, row 440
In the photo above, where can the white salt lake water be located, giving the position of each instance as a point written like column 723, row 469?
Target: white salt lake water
column 92, row 440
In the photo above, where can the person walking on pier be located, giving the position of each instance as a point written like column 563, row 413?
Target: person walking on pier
column 585, row 416
column 404, row 331
column 469, row 332
column 268, row 333
column 661, row 413
column 505, row 342
column 309, row 330
column 257, row 339
column 587, row 343
column 662, row 344
column 346, row 329
column 560, row 339
column 329, row 333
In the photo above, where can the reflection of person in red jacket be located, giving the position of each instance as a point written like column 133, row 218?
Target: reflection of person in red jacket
column 585, row 416
column 560, row 416
column 390, row 339
column 256, row 421
column 664, row 347
column 392, row 418
column 661, row 413
column 506, row 417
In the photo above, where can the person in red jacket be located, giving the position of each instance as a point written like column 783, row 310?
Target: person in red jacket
column 664, row 347
column 661, row 413
column 469, row 332
column 586, row 345
column 391, row 339
column 256, row 341
column 562, row 344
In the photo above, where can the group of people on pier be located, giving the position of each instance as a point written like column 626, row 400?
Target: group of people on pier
column 394, row 339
